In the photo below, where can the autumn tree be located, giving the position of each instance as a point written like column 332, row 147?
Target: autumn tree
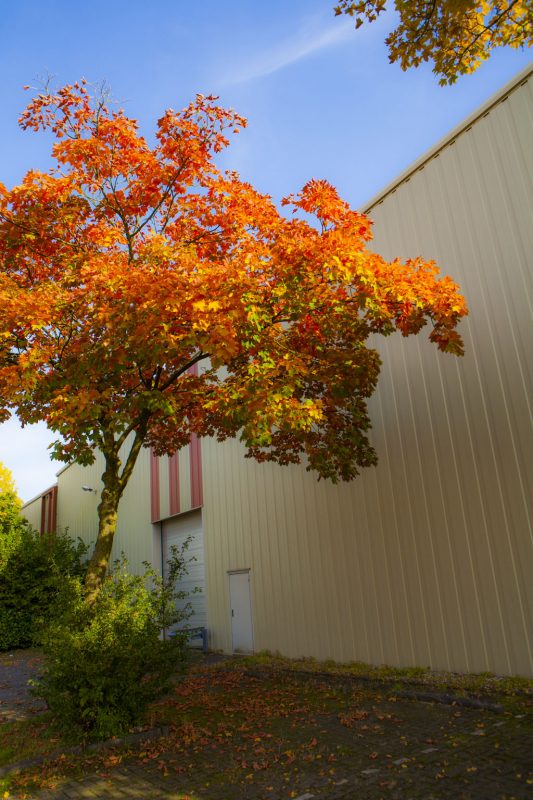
column 146, row 295
column 7, row 481
column 457, row 35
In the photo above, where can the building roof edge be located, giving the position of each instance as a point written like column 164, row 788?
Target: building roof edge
column 37, row 496
column 64, row 468
column 499, row 96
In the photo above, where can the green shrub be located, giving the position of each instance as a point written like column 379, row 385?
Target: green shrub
column 32, row 569
column 106, row 663
column 12, row 524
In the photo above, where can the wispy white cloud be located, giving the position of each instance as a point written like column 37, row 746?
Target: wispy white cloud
column 309, row 39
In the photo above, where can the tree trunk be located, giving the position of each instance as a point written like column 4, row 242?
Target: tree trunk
column 107, row 523
column 114, row 485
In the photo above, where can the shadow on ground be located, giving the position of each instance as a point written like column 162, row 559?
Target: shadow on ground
column 236, row 736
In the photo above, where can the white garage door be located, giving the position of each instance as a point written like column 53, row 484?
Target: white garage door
column 175, row 532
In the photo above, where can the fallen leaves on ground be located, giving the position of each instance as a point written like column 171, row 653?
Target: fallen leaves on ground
column 227, row 724
column 230, row 716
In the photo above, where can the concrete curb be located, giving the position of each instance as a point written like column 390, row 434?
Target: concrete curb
column 343, row 683
column 348, row 684
column 451, row 699
column 162, row 731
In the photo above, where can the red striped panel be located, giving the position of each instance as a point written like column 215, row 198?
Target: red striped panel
column 197, row 489
column 154, row 487
column 53, row 510
column 174, row 483
column 49, row 511
column 44, row 504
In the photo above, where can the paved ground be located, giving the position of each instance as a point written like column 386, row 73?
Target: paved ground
column 16, row 669
column 236, row 737
column 433, row 772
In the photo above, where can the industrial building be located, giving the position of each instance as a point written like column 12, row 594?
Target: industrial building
column 427, row 559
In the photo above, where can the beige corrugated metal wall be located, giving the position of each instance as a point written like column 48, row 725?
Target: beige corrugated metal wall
column 77, row 509
column 426, row 560
column 32, row 512
column 135, row 534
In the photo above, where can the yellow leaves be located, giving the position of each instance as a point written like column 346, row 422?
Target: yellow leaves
column 458, row 35
column 7, row 481
column 211, row 305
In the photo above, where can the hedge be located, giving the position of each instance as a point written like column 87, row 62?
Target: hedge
column 32, row 569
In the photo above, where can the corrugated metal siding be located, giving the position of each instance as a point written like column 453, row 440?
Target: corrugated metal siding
column 32, row 512
column 164, row 487
column 174, row 533
column 427, row 559
column 77, row 509
column 146, row 499
column 185, row 479
column 174, row 484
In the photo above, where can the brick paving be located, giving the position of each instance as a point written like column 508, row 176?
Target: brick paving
column 16, row 669
column 393, row 749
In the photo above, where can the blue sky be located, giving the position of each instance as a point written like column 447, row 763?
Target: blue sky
column 321, row 99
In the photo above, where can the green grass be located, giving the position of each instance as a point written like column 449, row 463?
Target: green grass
column 30, row 738
column 484, row 684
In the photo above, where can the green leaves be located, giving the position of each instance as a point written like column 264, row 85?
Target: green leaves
column 106, row 662
column 32, row 570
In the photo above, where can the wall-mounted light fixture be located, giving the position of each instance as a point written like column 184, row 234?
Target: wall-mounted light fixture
column 88, row 489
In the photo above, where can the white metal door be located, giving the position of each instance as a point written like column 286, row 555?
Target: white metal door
column 174, row 532
column 240, row 598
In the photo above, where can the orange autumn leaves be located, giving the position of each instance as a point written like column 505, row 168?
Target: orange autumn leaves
column 129, row 264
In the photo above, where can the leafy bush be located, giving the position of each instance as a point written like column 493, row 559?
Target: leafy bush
column 12, row 525
column 106, row 662
column 32, row 569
